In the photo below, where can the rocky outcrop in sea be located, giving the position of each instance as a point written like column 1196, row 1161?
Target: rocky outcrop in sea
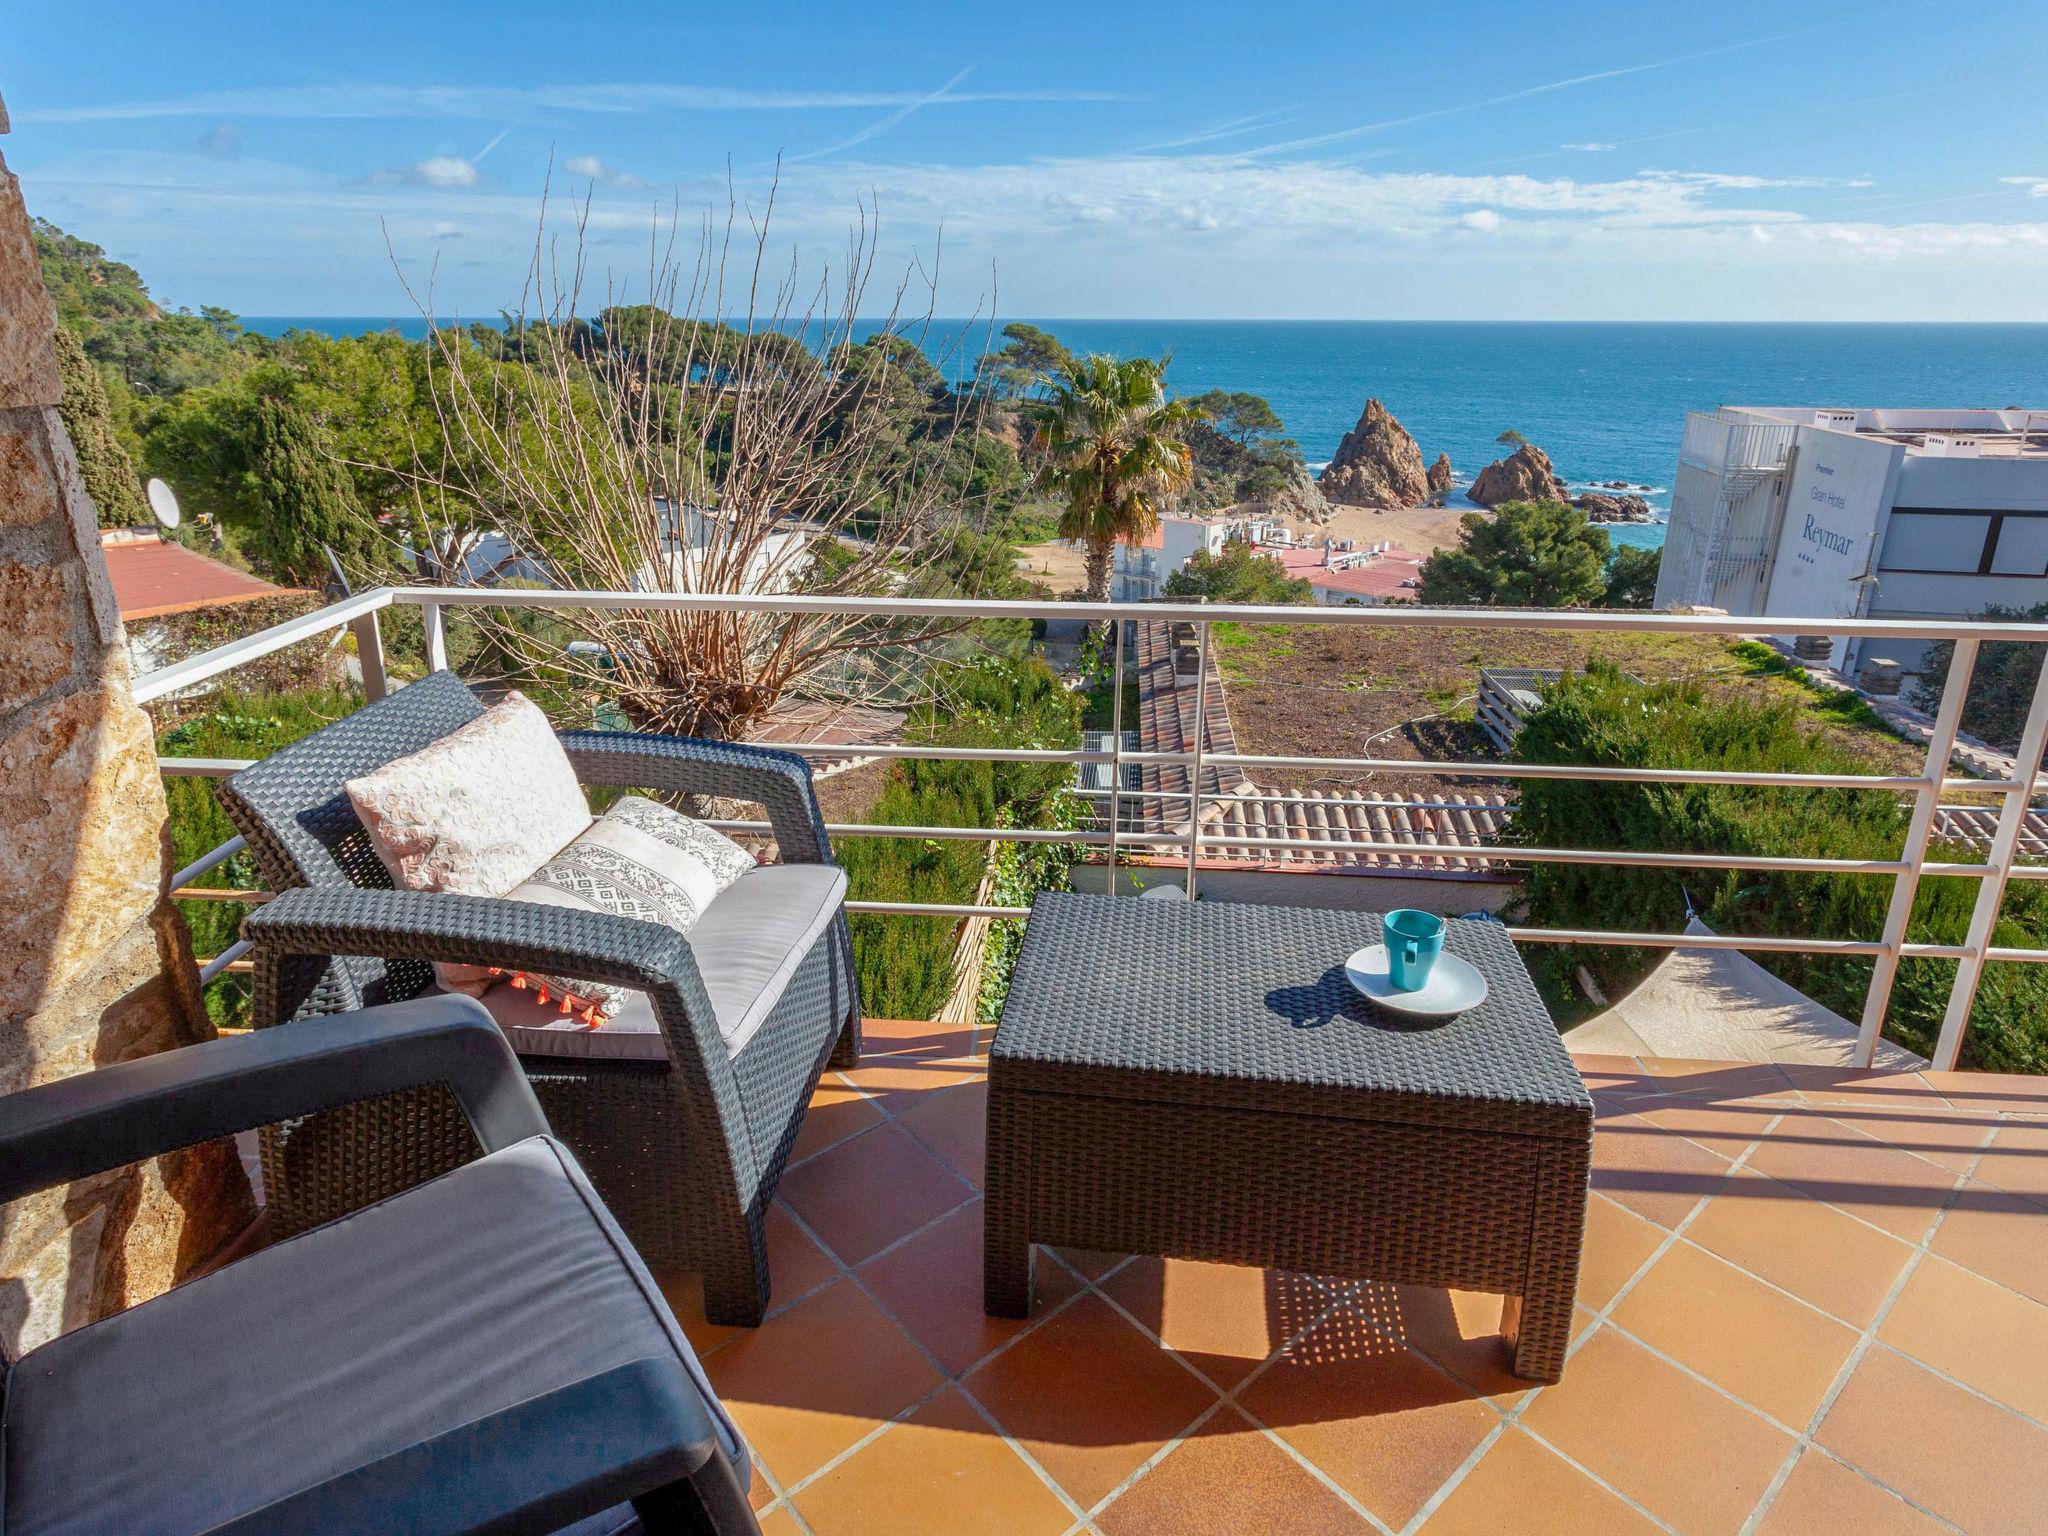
column 1601, row 508
column 1377, row 464
column 1439, row 476
column 1524, row 475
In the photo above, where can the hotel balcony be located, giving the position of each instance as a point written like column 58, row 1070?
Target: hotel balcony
column 1812, row 1295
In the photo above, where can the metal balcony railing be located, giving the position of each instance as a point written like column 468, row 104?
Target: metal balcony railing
column 1114, row 834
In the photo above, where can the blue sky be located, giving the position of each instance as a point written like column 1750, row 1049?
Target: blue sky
column 1347, row 160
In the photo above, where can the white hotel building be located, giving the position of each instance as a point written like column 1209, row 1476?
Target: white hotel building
column 1808, row 512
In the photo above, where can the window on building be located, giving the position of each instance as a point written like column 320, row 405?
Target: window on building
column 2022, row 547
column 1935, row 541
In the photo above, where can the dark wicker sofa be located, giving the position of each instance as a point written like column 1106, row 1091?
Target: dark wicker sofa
column 683, row 1110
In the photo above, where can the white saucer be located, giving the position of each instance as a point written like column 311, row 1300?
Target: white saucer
column 1453, row 986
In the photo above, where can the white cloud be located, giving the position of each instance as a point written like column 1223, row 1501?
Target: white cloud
column 223, row 141
column 2036, row 186
column 591, row 168
column 1485, row 220
column 443, row 171
column 1590, row 148
column 403, row 101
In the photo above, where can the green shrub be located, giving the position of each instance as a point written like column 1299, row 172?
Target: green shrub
column 2001, row 685
column 1603, row 719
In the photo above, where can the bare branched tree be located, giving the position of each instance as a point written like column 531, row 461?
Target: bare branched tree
column 728, row 435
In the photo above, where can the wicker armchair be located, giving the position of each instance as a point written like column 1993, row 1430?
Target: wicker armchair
column 685, row 1127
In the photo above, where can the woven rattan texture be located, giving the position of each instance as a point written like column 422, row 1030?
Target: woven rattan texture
column 1221, row 1003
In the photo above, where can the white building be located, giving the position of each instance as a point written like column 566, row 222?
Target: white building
column 1139, row 574
column 702, row 546
column 1823, row 513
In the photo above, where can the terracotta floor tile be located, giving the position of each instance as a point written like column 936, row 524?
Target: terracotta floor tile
column 1675, row 1446
column 811, row 1381
column 1459, row 1330
column 954, row 1124
column 836, row 1112
column 941, row 1470
column 1222, row 1318
column 1859, row 1086
column 780, row 1522
column 796, row 1265
column 1725, row 1129
column 2017, row 1160
column 2009, row 1092
column 1946, row 1137
column 2000, row 1236
column 1617, row 1243
column 1833, row 1162
column 1824, row 1498
column 933, row 1285
column 1522, row 1487
column 1090, row 1262
column 1090, row 1397
column 914, row 1037
column 919, row 1061
column 1387, row 1426
column 866, row 1193
column 1717, row 1079
column 1657, row 1175
column 1774, row 1353
column 1969, row 1461
column 1994, row 1339
column 1228, row 1476
column 1811, row 1249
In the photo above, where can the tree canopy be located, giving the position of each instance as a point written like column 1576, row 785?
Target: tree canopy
column 1239, row 574
column 1527, row 554
column 102, row 460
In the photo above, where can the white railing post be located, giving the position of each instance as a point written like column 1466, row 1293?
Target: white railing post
column 369, row 653
column 1926, row 801
column 433, row 622
column 1201, row 746
column 2012, row 817
column 1116, row 742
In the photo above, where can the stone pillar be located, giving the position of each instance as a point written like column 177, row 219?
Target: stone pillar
column 95, row 962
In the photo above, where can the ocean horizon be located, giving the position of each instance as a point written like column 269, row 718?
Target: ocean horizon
column 1605, row 399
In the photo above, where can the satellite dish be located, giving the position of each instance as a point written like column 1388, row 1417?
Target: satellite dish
column 163, row 503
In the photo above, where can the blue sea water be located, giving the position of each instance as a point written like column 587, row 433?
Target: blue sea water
column 1606, row 401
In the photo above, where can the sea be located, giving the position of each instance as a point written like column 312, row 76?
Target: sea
column 1606, row 401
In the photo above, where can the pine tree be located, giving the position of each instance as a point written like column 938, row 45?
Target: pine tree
column 89, row 418
column 303, row 499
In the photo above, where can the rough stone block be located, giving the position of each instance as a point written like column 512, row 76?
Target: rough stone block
column 83, row 858
column 36, row 630
column 28, row 491
column 28, row 361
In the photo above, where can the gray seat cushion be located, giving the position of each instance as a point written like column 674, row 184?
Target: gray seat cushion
column 504, row 1279
column 748, row 943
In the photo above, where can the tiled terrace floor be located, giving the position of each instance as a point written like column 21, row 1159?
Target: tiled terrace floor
column 1809, row 1303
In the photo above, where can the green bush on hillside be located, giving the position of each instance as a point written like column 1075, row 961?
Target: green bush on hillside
column 1601, row 718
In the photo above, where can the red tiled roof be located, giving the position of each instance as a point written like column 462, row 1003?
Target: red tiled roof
column 152, row 579
column 1372, row 578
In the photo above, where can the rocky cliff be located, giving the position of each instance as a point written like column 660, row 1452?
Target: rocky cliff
column 1524, row 475
column 1299, row 497
column 1377, row 464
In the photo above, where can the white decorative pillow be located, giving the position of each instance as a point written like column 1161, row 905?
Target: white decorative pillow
column 640, row 860
column 479, row 810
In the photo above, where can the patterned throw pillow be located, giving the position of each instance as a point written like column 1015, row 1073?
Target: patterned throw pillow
column 640, row 859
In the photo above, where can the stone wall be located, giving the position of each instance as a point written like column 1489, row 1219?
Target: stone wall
column 95, row 963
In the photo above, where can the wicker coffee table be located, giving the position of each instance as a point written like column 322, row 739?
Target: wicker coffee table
column 1199, row 1080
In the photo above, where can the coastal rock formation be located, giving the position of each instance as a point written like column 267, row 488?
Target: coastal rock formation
column 1298, row 497
column 1615, row 509
column 1524, row 475
column 1439, row 476
column 1377, row 464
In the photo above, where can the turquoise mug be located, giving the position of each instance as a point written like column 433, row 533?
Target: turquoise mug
column 1414, row 940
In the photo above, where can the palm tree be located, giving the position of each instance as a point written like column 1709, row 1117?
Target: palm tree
column 1113, row 451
